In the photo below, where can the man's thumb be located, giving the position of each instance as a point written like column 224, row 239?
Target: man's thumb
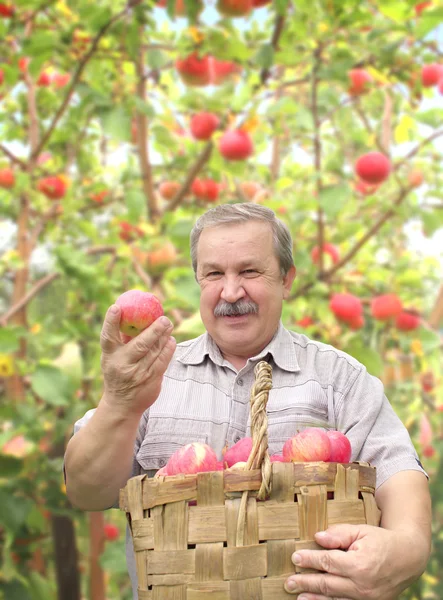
column 110, row 336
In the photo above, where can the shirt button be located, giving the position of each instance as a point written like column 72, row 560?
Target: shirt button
column 237, row 438
column 162, row 462
column 240, row 382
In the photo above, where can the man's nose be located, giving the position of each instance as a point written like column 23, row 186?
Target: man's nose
column 232, row 290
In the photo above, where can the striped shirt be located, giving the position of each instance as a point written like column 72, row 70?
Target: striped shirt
column 205, row 399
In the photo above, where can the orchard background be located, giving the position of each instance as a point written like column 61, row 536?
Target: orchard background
column 101, row 180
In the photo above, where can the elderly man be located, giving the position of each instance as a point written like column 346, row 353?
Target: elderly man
column 159, row 396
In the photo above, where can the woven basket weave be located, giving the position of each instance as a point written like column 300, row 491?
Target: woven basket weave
column 229, row 546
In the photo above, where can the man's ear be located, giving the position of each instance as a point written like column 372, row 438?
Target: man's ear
column 288, row 280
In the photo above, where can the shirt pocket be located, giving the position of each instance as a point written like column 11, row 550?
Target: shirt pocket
column 156, row 449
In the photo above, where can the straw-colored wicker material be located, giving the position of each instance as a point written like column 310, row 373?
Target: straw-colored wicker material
column 232, row 545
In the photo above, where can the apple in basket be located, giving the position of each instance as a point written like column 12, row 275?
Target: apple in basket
column 340, row 447
column 310, row 445
column 192, row 458
column 239, row 452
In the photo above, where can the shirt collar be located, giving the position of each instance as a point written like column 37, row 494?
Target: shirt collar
column 281, row 348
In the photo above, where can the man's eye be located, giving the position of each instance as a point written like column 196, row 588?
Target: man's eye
column 249, row 271
column 213, row 274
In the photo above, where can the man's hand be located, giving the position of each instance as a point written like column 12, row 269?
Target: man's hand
column 133, row 371
column 378, row 565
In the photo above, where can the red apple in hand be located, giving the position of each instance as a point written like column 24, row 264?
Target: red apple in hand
column 340, row 447
column 138, row 311
column 311, row 444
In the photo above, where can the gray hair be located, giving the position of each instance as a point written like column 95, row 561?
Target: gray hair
column 225, row 214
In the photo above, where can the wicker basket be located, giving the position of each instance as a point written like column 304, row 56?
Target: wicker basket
column 229, row 546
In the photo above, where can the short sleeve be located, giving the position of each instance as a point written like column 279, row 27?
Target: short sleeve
column 376, row 433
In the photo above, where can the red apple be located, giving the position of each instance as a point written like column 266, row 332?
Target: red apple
column 311, row 444
column 99, row 197
column 359, row 81
column 223, row 70
column 427, row 381
column 168, row 189
column 240, row 451
column 420, row 7
column 327, row 249
column 138, row 311
column 408, row 320
column 205, row 189
column 194, row 70
column 203, row 125
column 258, row 3
column 162, row 471
column 346, row 306
column 428, row 451
column 356, row 322
column 61, row 79
column 340, row 447
column 235, row 145
column 234, row 8
column 111, row 532
column 44, row 79
column 364, row 188
column 2, row 76
column 250, row 189
column 373, row 167
column 192, row 458
column 53, row 187
column 385, row 307
column 415, row 177
column 129, row 232
column 305, row 322
column 162, row 257
column 6, row 10
column 180, row 6
column 7, row 178
column 431, row 74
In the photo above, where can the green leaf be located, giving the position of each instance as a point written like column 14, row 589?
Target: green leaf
column 429, row 20
column 10, row 339
column 265, row 56
column 14, row 590
column 10, row 466
column 144, row 107
column 136, row 205
column 14, row 510
column 333, row 198
column 430, row 340
column 116, row 123
column 370, row 358
column 156, row 59
column 51, row 384
column 111, row 559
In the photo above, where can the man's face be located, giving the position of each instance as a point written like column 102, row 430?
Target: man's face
column 241, row 286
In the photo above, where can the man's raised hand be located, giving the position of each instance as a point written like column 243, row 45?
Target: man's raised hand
column 133, row 371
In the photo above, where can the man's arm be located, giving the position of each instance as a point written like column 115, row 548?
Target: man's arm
column 380, row 562
column 99, row 457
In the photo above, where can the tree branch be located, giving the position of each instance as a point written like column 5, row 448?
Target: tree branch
column 192, row 173
column 419, row 146
column 14, row 159
column 81, row 66
column 278, row 29
column 317, row 152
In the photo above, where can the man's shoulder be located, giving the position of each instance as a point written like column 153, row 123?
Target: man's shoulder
column 309, row 350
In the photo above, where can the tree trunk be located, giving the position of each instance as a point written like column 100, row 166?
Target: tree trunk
column 96, row 545
column 66, row 558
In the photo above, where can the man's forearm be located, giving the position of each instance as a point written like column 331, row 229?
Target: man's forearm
column 405, row 504
column 98, row 459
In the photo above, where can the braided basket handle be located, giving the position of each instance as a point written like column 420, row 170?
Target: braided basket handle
column 259, row 457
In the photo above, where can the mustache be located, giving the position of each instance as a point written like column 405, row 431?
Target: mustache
column 241, row 307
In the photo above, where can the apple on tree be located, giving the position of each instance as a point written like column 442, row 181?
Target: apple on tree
column 360, row 80
column 203, row 125
column 346, row 307
column 373, row 167
column 194, row 70
column 234, row 8
column 138, row 311
column 53, row 187
column 7, row 178
column 236, row 145
column 385, row 307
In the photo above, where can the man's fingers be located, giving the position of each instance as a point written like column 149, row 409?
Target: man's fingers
column 335, row 562
column 146, row 341
column 110, row 334
column 328, row 586
column 340, row 536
